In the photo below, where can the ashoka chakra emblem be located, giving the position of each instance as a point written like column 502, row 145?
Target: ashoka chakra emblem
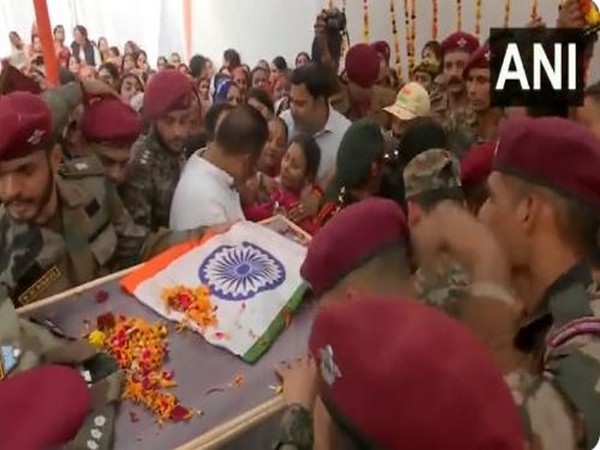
column 240, row 272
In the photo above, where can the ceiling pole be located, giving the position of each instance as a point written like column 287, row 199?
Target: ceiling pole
column 46, row 36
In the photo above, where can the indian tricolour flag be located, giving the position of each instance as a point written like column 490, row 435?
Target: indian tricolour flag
column 253, row 274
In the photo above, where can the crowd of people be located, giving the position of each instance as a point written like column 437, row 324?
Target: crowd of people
column 455, row 254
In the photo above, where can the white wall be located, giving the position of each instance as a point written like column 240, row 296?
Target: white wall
column 257, row 28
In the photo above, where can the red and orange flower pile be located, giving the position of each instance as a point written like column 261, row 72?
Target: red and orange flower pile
column 194, row 302
column 140, row 349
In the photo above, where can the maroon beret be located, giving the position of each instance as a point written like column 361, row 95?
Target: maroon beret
column 47, row 405
column 110, row 121
column 383, row 48
column 393, row 393
column 13, row 80
column 553, row 152
column 26, row 125
column 350, row 238
column 479, row 59
column 167, row 91
column 476, row 165
column 362, row 65
column 460, row 41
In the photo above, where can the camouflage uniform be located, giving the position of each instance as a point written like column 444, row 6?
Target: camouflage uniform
column 94, row 235
column 557, row 393
column 154, row 174
column 446, row 281
column 32, row 344
column 295, row 430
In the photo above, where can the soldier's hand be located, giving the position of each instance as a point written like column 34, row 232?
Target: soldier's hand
column 570, row 15
column 300, row 382
column 97, row 88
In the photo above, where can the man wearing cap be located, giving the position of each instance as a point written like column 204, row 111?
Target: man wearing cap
column 361, row 96
column 543, row 209
column 482, row 125
column 110, row 127
column 475, row 168
column 425, row 74
column 450, row 102
column 372, row 379
column 384, row 52
column 430, row 178
column 360, row 171
column 59, row 226
column 158, row 158
column 411, row 103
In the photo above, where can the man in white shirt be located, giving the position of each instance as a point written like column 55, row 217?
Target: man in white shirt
column 310, row 113
column 206, row 193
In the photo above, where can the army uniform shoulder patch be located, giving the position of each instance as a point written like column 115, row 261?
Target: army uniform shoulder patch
column 89, row 166
column 36, row 290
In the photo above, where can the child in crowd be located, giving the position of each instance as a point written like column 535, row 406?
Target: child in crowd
column 268, row 197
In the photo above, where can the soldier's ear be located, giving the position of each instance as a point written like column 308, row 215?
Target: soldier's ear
column 414, row 213
column 56, row 157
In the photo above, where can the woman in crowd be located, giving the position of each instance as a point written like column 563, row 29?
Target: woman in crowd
column 129, row 63
column 83, row 47
column 279, row 65
column 432, row 52
column 130, row 86
column 130, row 47
column 298, row 171
column 109, row 73
column 62, row 51
column 74, row 64
column 302, row 59
column 204, row 93
column 228, row 92
column 161, row 63
column 142, row 61
column 259, row 78
column 104, row 49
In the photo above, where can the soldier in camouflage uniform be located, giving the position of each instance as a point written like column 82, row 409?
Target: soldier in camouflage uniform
column 547, row 191
column 158, row 158
column 432, row 177
column 359, row 95
column 360, row 171
column 482, row 126
column 60, row 225
column 110, row 127
column 449, row 103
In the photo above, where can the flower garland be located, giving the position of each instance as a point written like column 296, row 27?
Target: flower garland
column 366, row 31
column 408, row 30
column 193, row 302
column 534, row 9
column 458, row 15
column 434, row 25
column 140, row 350
column 396, row 38
column 506, row 13
column 478, row 18
column 413, row 35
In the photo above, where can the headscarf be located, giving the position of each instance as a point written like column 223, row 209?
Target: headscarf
column 223, row 90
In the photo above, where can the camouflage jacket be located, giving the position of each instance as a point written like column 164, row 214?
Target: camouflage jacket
column 94, row 235
column 150, row 186
column 27, row 344
column 558, row 390
column 442, row 286
column 295, row 430
column 460, row 124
